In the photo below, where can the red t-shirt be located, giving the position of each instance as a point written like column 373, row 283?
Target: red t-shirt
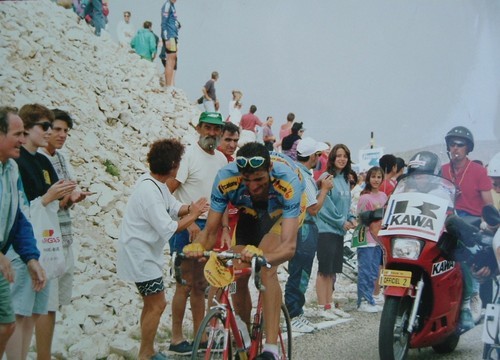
column 470, row 181
column 388, row 186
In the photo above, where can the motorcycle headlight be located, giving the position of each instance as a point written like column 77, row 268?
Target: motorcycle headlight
column 406, row 248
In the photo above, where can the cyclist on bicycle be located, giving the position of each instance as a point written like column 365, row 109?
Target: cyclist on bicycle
column 268, row 191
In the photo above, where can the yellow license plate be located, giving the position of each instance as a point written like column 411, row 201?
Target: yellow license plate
column 395, row 278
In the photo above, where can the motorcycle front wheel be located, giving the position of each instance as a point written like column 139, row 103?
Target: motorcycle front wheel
column 393, row 338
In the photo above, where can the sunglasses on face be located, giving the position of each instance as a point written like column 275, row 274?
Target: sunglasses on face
column 456, row 143
column 254, row 162
column 46, row 125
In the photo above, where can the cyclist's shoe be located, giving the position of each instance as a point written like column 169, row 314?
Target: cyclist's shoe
column 266, row 355
column 182, row 348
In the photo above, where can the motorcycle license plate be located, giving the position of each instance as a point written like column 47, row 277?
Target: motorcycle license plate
column 397, row 278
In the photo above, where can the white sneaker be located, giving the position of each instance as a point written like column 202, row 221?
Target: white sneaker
column 299, row 326
column 379, row 299
column 340, row 312
column 369, row 308
column 326, row 314
column 475, row 307
column 307, row 322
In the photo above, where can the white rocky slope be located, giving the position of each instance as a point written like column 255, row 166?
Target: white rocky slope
column 119, row 108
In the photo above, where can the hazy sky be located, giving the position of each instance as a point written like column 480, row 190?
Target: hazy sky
column 407, row 70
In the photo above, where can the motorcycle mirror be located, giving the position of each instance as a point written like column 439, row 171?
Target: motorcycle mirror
column 491, row 215
column 367, row 217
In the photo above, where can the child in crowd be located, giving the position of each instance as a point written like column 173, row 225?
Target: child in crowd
column 369, row 255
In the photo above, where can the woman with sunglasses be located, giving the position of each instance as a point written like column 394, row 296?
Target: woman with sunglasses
column 334, row 220
column 39, row 179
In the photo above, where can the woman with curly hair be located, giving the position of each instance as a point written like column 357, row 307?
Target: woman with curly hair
column 150, row 220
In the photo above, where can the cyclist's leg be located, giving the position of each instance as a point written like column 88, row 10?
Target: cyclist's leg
column 272, row 297
column 242, row 301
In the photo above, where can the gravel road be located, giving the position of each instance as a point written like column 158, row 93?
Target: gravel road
column 358, row 339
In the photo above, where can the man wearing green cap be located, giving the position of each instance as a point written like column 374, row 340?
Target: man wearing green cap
column 194, row 179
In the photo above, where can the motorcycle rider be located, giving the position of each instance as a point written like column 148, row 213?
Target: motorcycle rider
column 458, row 232
column 473, row 190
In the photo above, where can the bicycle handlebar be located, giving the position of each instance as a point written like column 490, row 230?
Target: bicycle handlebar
column 256, row 265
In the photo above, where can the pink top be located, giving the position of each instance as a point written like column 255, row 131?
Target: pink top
column 285, row 130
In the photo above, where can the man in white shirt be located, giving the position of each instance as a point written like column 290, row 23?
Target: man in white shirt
column 194, row 179
column 125, row 30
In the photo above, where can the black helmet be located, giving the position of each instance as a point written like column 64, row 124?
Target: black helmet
column 463, row 133
column 424, row 162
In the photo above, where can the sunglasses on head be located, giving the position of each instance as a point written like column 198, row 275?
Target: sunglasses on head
column 254, row 162
column 46, row 125
column 456, row 143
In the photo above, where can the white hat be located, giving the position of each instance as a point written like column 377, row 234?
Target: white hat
column 308, row 146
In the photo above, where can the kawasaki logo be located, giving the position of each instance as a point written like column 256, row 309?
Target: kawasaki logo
column 442, row 267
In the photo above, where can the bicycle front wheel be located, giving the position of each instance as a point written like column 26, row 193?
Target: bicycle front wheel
column 284, row 335
column 209, row 342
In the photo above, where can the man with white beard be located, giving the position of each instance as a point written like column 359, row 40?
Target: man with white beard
column 194, row 179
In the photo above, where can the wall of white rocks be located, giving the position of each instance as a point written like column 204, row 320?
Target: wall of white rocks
column 119, row 108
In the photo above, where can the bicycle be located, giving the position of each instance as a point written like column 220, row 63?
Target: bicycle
column 219, row 335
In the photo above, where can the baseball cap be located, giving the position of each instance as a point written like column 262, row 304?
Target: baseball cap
column 211, row 118
column 308, row 146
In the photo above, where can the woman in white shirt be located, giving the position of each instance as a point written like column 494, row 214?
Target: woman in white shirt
column 150, row 220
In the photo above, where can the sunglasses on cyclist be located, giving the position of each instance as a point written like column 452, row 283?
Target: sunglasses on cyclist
column 457, row 144
column 46, row 125
column 254, row 162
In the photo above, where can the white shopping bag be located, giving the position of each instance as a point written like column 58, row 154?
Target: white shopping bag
column 48, row 237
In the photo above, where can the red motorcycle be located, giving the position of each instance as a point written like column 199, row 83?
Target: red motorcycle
column 423, row 287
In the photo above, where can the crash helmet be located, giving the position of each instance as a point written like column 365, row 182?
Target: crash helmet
column 494, row 166
column 460, row 132
column 424, row 162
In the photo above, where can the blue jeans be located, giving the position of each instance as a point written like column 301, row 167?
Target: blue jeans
column 299, row 269
column 368, row 266
column 179, row 240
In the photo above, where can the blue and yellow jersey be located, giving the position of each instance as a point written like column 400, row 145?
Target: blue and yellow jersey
column 286, row 190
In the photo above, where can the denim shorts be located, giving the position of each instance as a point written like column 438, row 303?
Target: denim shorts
column 6, row 312
column 179, row 240
column 25, row 300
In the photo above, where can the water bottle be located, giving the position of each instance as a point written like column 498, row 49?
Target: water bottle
column 242, row 327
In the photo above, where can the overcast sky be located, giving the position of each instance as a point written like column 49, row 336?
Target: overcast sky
column 407, row 70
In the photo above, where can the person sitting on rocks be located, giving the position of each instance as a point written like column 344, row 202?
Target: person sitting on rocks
column 146, row 228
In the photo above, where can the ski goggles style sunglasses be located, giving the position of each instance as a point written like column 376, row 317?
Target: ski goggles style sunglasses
column 46, row 125
column 457, row 144
column 254, row 162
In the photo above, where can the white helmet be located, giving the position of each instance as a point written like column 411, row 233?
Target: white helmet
column 494, row 166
